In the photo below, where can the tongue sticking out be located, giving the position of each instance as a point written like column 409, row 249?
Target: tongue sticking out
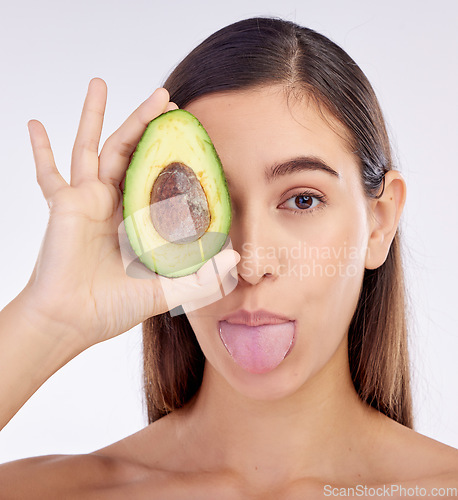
column 257, row 349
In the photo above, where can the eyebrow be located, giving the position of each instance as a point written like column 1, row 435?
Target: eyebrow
column 295, row 165
column 298, row 164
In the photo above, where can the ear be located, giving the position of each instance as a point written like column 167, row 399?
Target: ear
column 384, row 215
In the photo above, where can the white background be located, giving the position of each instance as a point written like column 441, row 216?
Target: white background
column 49, row 52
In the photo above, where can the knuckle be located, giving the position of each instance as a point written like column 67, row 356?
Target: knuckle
column 43, row 172
column 122, row 148
column 57, row 199
column 96, row 111
column 86, row 144
column 125, row 149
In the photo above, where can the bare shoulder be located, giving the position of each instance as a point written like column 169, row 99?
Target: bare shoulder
column 442, row 459
column 156, row 446
column 59, row 476
column 136, row 466
column 418, row 458
column 107, row 473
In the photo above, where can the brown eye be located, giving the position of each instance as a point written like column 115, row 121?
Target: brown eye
column 306, row 202
column 303, row 201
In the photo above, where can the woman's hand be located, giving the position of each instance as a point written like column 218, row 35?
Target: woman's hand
column 79, row 283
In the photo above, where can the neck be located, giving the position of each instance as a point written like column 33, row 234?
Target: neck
column 310, row 432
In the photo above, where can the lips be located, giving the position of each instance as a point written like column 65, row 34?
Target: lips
column 255, row 318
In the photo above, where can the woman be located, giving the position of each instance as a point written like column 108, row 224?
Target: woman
column 309, row 398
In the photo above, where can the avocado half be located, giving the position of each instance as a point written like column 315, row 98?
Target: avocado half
column 176, row 203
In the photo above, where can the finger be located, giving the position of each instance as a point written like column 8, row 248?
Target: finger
column 194, row 291
column 170, row 107
column 85, row 155
column 118, row 148
column 48, row 177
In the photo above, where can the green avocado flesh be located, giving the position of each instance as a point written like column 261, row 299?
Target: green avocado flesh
column 176, row 203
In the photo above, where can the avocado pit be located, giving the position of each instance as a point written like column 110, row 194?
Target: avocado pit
column 183, row 216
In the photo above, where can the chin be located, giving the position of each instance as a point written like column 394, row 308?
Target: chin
column 280, row 383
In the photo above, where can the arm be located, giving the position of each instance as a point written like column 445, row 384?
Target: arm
column 31, row 350
column 72, row 477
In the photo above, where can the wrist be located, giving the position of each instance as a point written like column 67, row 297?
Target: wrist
column 40, row 324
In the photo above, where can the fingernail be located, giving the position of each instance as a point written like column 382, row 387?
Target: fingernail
column 158, row 90
column 226, row 260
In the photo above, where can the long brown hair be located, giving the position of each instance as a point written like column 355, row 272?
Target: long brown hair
column 268, row 50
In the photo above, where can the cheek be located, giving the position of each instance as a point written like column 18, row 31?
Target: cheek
column 328, row 250
column 330, row 272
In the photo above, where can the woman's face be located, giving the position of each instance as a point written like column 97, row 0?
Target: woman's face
column 301, row 257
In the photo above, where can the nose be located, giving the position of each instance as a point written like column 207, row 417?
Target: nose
column 255, row 243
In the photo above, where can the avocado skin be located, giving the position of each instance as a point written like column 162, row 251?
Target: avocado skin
column 175, row 136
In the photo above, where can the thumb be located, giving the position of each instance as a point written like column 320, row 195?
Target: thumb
column 219, row 265
column 169, row 293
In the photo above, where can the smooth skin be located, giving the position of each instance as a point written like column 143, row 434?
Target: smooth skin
column 280, row 435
